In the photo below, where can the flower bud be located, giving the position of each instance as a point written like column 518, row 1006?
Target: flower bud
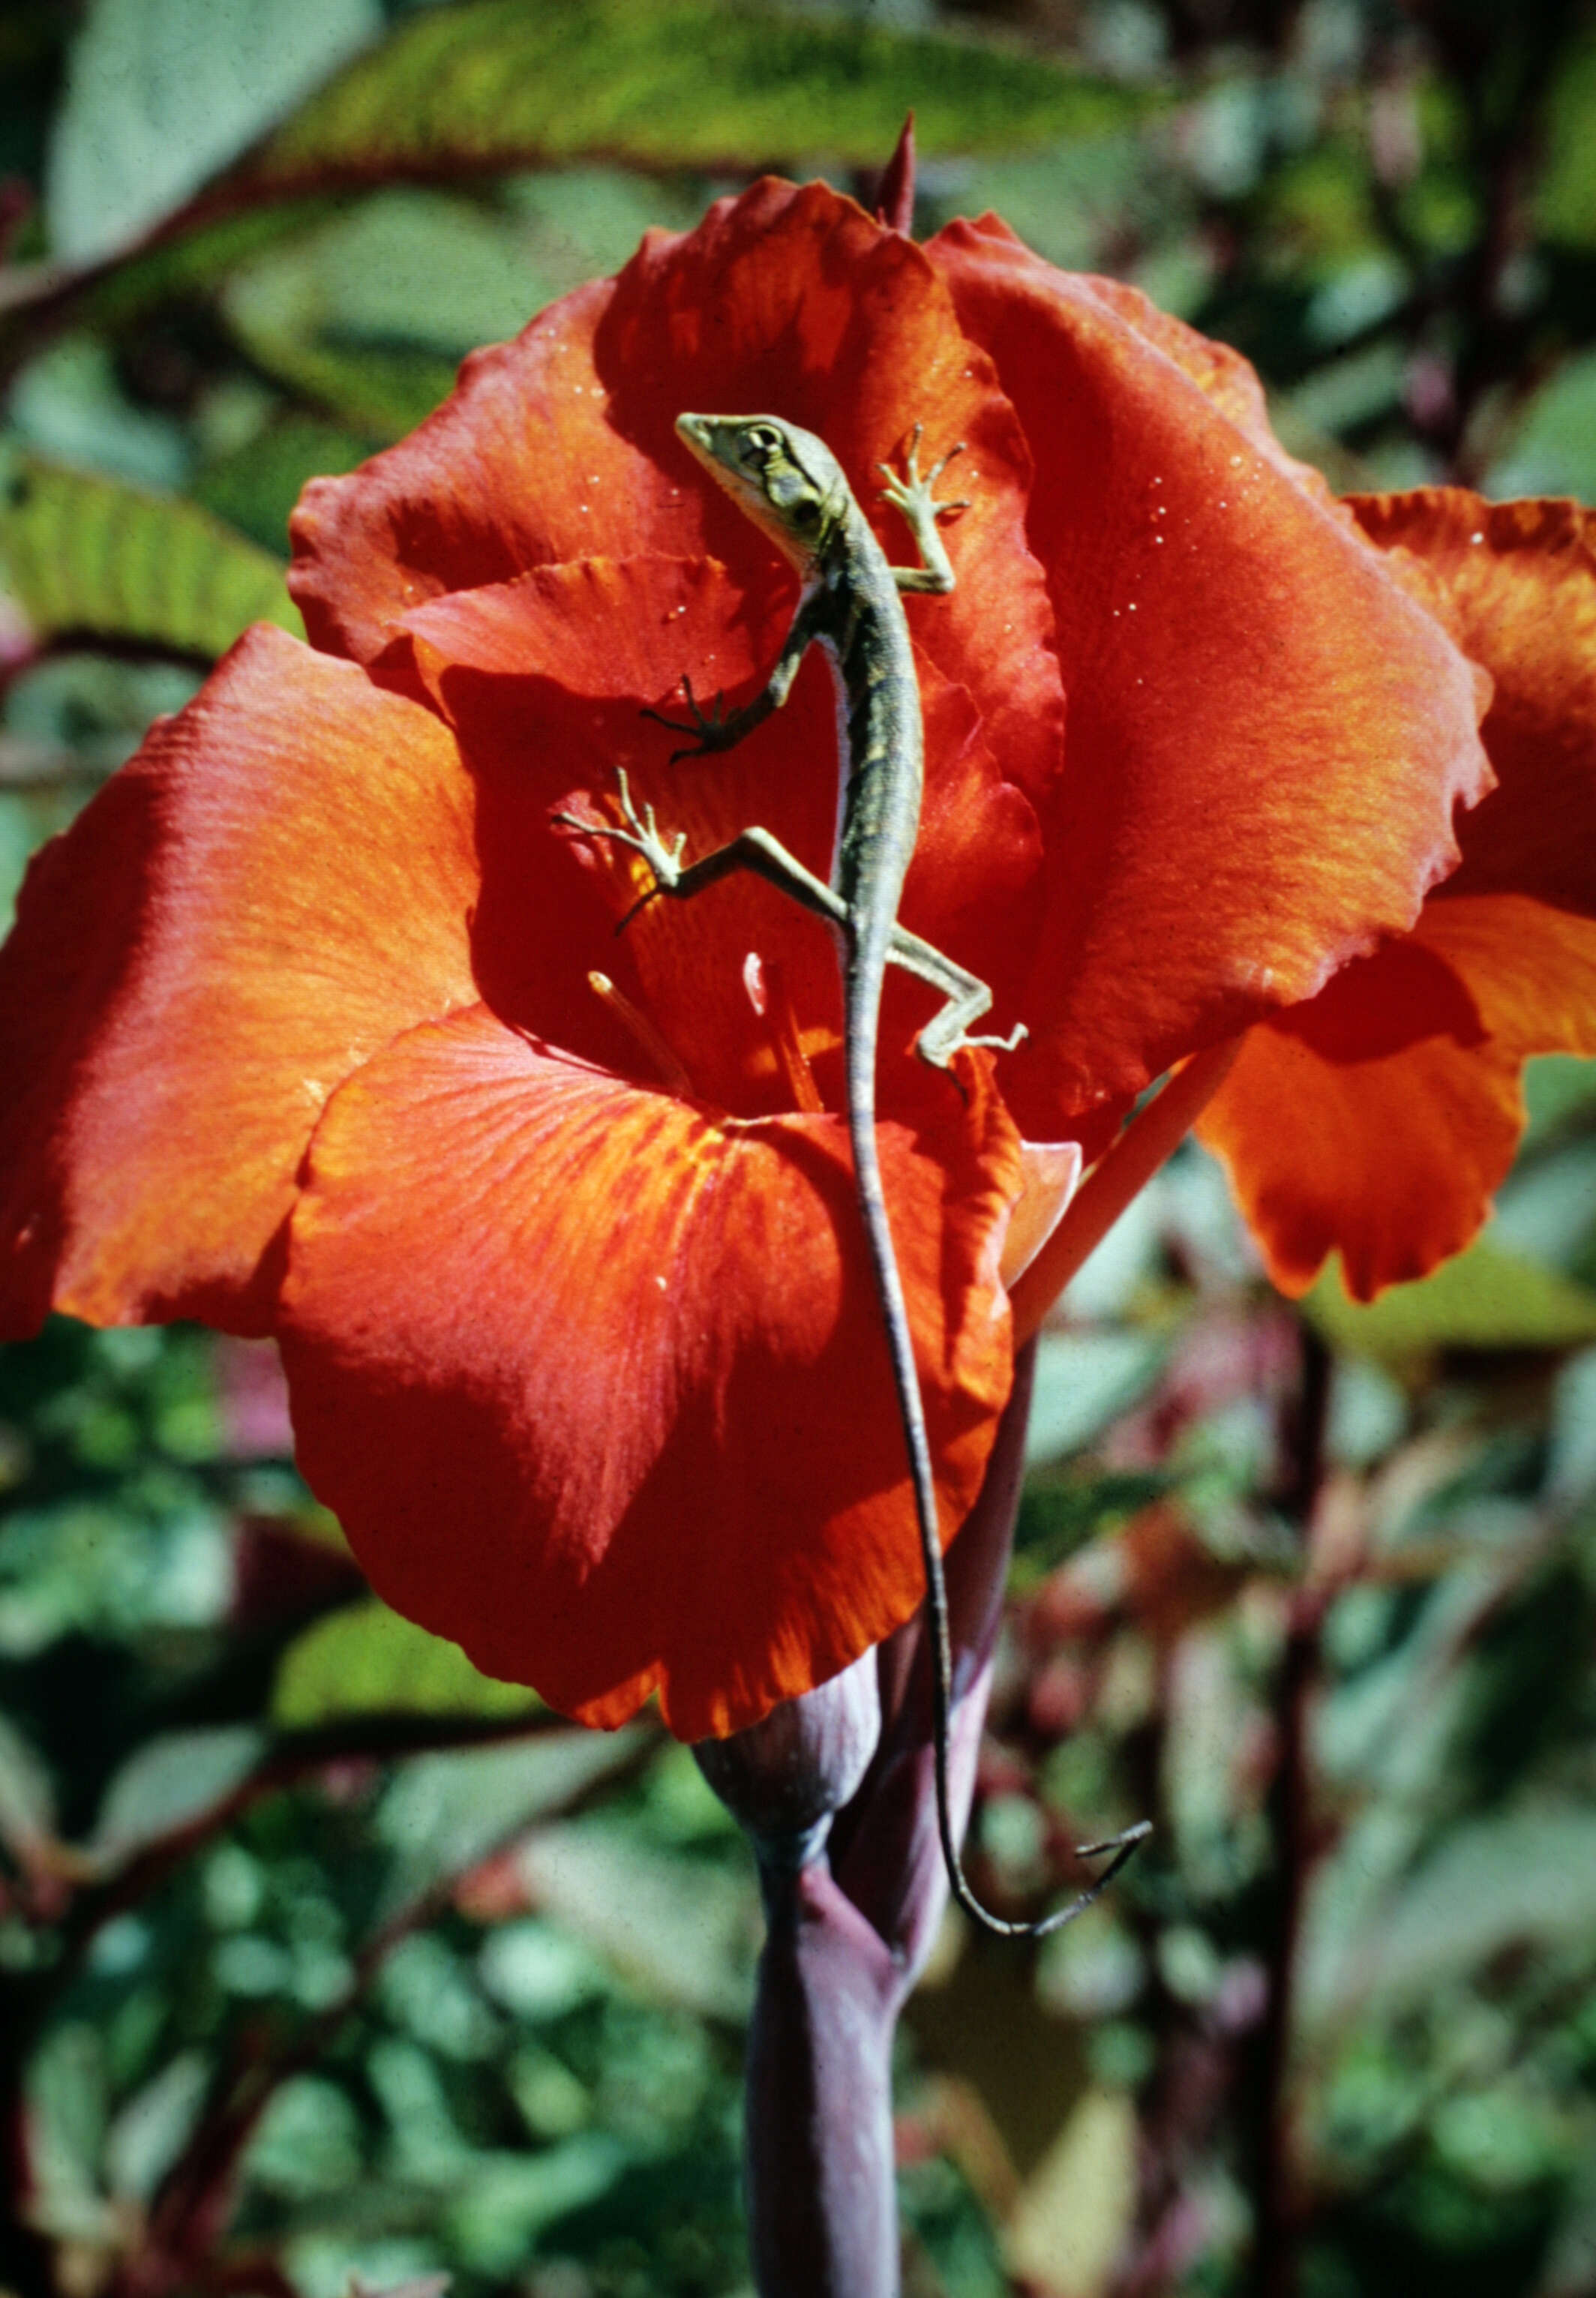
column 784, row 1777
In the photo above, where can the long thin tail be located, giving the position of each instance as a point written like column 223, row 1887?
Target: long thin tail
column 860, row 1040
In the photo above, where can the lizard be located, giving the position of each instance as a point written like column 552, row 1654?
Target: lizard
column 793, row 488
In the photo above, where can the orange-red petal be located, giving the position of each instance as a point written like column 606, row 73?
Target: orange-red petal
column 1521, row 579
column 595, row 1382
column 1375, row 1118
column 515, row 469
column 1338, row 1135
column 278, row 883
column 1267, row 734
column 1341, row 1130
column 1529, row 967
column 1222, row 375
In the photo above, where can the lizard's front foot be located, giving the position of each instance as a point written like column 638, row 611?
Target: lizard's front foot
column 913, row 495
column 641, row 833
column 711, row 731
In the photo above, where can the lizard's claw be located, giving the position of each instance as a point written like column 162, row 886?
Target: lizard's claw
column 911, row 493
column 937, row 469
column 710, row 729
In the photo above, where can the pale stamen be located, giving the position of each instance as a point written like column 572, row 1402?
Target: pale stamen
column 767, row 989
column 646, row 1035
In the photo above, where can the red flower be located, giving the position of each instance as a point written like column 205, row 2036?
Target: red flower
column 571, row 1289
column 1379, row 1117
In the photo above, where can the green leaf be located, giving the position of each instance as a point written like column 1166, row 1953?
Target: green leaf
column 504, row 2199
column 152, row 2127
column 174, row 1782
column 684, row 1930
column 27, row 1799
column 687, row 84
column 1559, row 1090
column 66, row 2098
column 254, row 486
column 94, row 556
column 1520, row 1877
column 68, row 406
column 187, row 263
column 1076, row 201
column 1486, row 1298
column 1083, row 1381
column 365, row 1660
column 162, row 93
column 444, row 1812
column 1565, row 199
column 1551, row 449
column 370, row 316
column 407, row 267
column 722, row 87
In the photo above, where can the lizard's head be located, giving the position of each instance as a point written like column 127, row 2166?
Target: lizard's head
column 786, row 480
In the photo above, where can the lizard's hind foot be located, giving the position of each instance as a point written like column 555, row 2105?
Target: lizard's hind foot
column 1011, row 1043
column 937, row 1049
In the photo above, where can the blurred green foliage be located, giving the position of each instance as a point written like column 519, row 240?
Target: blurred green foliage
column 320, row 1955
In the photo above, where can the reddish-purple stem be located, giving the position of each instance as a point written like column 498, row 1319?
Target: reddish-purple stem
column 850, row 1925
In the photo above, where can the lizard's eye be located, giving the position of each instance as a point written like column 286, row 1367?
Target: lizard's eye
column 763, row 439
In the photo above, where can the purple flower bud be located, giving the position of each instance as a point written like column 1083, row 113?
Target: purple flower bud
column 783, row 1778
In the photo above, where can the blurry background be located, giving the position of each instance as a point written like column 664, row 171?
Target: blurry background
column 319, row 1954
